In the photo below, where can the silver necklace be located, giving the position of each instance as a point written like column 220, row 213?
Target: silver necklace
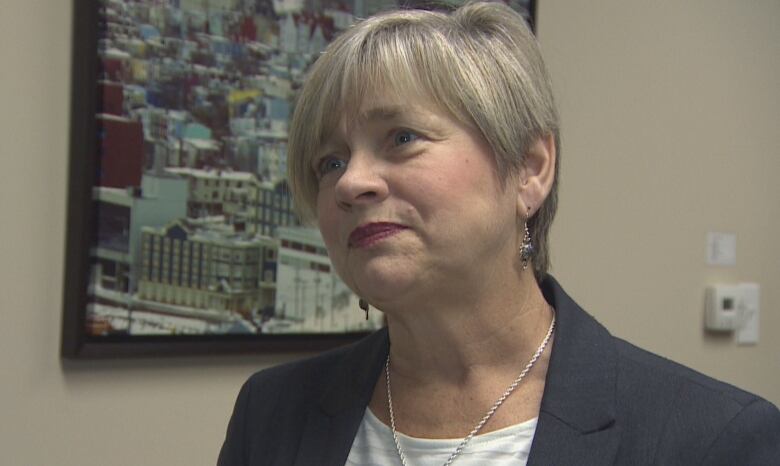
column 485, row 418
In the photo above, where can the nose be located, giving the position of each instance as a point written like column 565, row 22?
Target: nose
column 363, row 182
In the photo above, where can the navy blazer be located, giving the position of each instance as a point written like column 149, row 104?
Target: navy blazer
column 605, row 402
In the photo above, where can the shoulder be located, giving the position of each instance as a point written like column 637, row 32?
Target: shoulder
column 664, row 412
column 692, row 416
column 303, row 376
column 273, row 404
column 644, row 365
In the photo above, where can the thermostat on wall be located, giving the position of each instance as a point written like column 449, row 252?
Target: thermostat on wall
column 720, row 306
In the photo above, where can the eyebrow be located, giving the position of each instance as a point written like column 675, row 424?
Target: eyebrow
column 382, row 113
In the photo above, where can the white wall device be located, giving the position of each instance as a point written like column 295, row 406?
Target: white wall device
column 720, row 304
column 733, row 308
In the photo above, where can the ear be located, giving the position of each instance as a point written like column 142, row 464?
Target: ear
column 536, row 176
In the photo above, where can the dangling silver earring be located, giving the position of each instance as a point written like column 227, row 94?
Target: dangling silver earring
column 527, row 248
column 364, row 305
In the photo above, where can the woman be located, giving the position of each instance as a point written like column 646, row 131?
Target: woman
column 426, row 147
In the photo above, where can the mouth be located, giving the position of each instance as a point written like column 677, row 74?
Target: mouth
column 372, row 233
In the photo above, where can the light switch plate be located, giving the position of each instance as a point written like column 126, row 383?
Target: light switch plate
column 721, row 249
column 748, row 311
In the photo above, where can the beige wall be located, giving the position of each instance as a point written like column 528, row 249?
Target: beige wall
column 671, row 129
column 671, row 123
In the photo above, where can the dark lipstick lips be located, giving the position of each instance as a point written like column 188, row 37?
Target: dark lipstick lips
column 370, row 233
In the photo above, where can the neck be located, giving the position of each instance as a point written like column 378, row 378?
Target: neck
column 466, row 338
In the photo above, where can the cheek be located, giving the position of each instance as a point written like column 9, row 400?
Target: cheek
column 327, row 225
column 452, row 185
column 329, row 222
column 463, row 195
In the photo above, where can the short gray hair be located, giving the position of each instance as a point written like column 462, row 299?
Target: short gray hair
column 481, row 64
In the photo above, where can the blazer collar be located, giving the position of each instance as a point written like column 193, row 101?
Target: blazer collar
column 577, row 416
column 333, row 421
column 353, row 381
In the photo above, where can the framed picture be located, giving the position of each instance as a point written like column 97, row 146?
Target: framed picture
column 182, row 237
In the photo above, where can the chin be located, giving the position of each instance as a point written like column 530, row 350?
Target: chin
column 384, row 284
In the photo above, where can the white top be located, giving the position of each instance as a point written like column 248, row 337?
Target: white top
column 374, row 446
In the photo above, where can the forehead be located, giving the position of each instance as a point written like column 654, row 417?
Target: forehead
column 385, row 101
column 386, row 107
column 389, row 107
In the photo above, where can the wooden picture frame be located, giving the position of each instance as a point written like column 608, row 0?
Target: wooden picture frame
column 181, row 238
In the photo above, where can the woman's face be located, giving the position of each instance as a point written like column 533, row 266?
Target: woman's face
column 410, row 203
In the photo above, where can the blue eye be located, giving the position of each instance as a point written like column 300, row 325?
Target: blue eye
column 329, row 164
column 404, row 137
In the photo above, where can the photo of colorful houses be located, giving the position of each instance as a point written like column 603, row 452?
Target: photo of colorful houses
column 195, row 229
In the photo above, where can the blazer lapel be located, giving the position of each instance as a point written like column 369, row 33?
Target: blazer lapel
column 333, row 421
column 577, row 417
column 557, row 443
